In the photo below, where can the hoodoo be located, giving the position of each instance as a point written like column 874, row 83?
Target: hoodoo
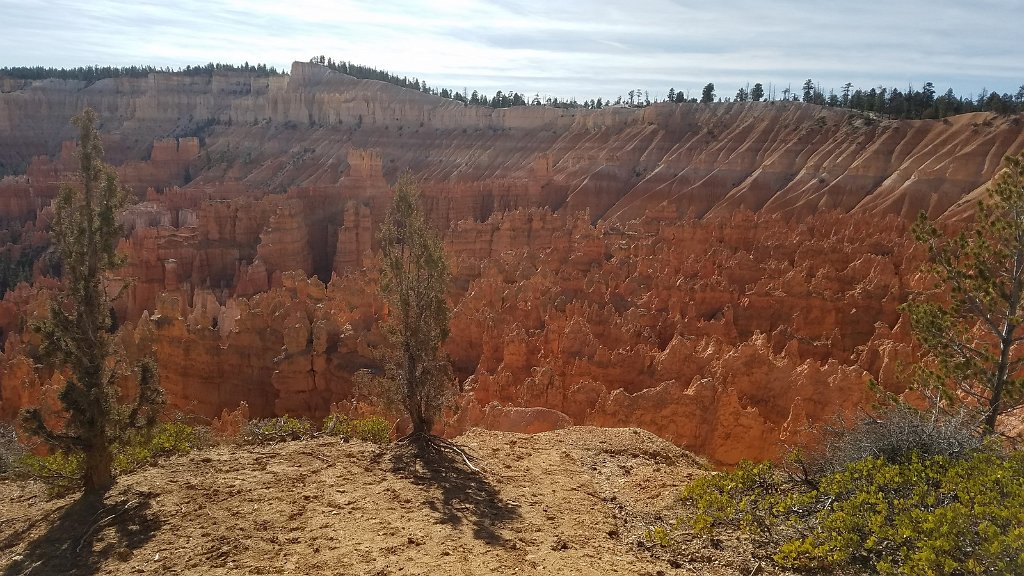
column 722, row 274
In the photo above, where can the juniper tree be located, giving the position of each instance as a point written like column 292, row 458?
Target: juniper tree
column 413, row 281
column 77, row 337
column 973, row 333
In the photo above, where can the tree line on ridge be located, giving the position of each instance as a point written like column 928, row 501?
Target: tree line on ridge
column 909, row 103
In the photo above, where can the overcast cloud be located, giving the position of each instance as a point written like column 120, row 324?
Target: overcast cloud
column 561, row 48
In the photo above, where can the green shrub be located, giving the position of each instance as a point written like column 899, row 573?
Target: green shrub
column 658, row 536
column 927, row 515
column 280, row 429
column 743, row 498
column 337, row 425
column 284, row 428
column 177, row 438
column 61, row 472
column 373, row 429
column 165, row 440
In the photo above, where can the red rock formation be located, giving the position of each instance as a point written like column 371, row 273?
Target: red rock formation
column 725, row 336
column 254, row 281
column 168, row 165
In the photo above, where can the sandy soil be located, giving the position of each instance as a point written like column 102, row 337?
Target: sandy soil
column 575, row 501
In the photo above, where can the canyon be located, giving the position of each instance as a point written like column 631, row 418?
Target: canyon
column 724, row 276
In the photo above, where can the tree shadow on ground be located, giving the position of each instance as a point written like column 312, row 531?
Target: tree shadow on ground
column 83, row 535
column 466, row 495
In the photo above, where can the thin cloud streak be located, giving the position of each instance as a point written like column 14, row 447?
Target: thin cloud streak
column 569, row 49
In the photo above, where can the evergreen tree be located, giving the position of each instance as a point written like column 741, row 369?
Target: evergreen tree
column 78, row 335
column 898, row 104
column 413, row 281
column 982, row 98
column 927, row 96
column 973, row 335
column 809, row 90
column 757, row 92
column 707, row 95
column 881, row 100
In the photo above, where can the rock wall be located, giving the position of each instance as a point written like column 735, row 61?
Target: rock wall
column 168, row 165
column 724, row 336
column 689, row 159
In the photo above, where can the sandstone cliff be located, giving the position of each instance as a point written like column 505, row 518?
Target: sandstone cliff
column 720, row 275
column 688, row 159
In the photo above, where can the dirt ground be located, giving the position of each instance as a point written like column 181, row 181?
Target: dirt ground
column 575, row 501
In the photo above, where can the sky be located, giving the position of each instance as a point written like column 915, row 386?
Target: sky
column 560, row 48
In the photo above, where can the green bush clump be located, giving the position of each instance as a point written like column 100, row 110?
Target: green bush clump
column 166, row 439
column 658, row 536
column 928, row 516
column 280, row 429
column 932, row 515
column 373, row 429
column 61, row 472
column 741, row 498
column 337, row 425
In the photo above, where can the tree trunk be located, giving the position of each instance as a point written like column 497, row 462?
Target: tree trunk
column 994, row 407
column 1002, row 375
column 419, row 423
column 99, row 474
column 414, row 400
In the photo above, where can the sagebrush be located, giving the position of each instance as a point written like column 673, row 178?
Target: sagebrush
column 894, row 433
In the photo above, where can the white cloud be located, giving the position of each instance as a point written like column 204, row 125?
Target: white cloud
column 583, row 49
